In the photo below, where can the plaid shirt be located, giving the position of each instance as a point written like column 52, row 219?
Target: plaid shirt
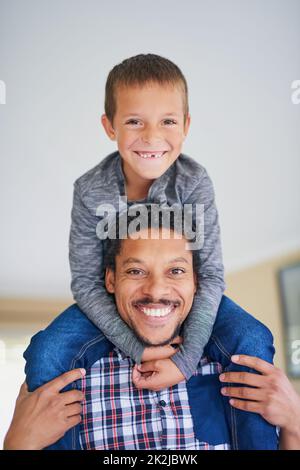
column 116, row 415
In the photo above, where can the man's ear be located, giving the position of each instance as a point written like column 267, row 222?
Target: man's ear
column 108, row 127
column 110, row 280
column 195, row 282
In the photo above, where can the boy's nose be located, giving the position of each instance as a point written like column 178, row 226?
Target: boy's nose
column 152, row 136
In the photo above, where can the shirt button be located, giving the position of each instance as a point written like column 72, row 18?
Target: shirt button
column 162, row 403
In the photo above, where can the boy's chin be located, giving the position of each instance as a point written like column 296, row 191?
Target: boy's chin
column 153, row 173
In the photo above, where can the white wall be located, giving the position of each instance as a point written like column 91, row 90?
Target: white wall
column 239, row 58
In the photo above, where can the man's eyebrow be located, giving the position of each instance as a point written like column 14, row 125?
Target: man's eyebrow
column 163, row 114
column 180, row 259
column 132, row 260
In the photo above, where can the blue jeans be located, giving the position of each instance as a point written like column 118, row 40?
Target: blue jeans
column 63, row 346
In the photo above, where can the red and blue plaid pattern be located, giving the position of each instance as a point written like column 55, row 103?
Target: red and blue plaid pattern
column 116, row 415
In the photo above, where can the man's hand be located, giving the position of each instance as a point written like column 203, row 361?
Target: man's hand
column 273, row 397
column 42, row 417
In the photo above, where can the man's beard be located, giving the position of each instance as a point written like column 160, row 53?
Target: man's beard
column 147, row 343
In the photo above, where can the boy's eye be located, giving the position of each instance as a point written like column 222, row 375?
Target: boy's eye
column 133, row 121
column 170, row 120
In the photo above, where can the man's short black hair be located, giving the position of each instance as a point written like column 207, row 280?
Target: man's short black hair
column 112, row 246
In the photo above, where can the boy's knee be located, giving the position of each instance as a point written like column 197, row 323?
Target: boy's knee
column 256, row 340
column 238, row 332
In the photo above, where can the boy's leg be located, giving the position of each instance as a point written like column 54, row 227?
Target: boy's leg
column 53, row 351
column 237, row 332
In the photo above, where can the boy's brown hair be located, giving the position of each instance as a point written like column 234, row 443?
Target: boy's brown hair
column 141, row 70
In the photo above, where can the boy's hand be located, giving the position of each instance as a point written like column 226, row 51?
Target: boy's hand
column 156, row 375
column 160, row 352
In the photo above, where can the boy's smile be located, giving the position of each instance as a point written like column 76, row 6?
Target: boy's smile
column 149, row 129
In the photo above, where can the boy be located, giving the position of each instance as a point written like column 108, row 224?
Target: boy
column 146, row 113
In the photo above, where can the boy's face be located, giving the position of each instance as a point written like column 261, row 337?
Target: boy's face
column 148, row 118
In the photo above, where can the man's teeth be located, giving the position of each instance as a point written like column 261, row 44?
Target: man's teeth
column 151, row 155
column 157, row 312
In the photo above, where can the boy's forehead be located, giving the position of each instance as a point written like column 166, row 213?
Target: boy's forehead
column 131, row 98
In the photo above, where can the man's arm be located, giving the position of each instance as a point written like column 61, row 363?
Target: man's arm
column 61, row 412
column 273, row 397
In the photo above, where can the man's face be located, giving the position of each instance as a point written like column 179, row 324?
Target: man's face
column 154, row 286
column 148, row 118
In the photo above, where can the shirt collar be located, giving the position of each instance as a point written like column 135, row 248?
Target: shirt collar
column 157, row 184
column 121, row 355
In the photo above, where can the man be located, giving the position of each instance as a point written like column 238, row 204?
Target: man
column 153, row 282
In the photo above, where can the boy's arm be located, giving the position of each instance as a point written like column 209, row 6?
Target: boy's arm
column 199, row 323
column 88, row 287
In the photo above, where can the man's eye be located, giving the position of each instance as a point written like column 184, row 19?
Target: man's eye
column 170, row 120
column 177, row 271
column 134, row 272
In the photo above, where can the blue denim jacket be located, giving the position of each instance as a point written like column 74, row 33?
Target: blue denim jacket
column 215, row 421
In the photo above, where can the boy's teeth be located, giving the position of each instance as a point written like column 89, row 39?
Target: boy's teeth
column 157, row 312
column 151, row 155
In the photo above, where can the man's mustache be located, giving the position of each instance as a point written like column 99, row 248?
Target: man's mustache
column 150, row 300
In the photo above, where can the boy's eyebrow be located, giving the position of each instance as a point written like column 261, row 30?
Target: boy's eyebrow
column 137, row 114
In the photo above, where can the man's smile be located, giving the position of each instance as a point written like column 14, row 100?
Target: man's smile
column 156, row 313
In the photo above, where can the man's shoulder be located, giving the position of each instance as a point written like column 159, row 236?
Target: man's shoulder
column 208, row 366
column 101, row 174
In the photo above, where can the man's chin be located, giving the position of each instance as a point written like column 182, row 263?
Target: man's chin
column 149, row 341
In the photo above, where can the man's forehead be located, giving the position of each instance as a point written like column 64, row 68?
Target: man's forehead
column 133, row 260
column 148, row 250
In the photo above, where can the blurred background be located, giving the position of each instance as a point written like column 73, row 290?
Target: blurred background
column 242, row 63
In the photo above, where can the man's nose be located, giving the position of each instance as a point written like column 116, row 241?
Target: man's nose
column 156, row 287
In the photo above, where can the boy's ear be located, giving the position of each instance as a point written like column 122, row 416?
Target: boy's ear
column 187, row 125
column 108, row 127
column 110, row 280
